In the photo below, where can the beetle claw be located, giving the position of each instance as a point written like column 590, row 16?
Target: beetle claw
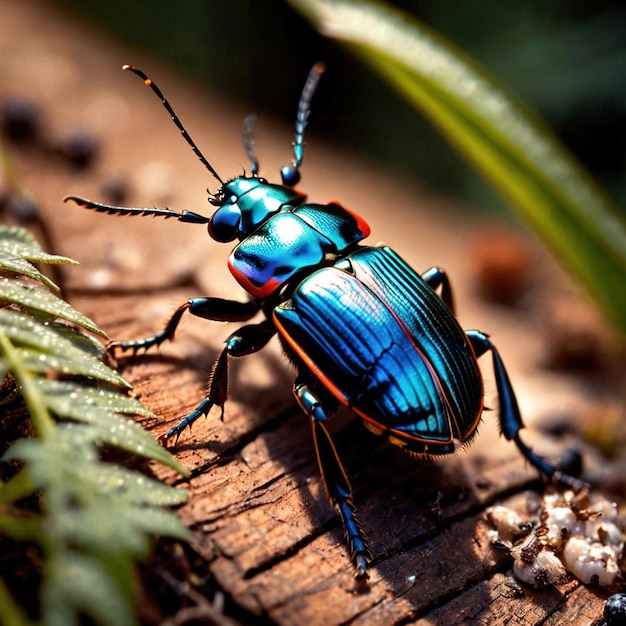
column 361, row 574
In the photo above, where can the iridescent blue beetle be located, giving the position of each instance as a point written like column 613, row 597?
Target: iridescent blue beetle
column 362, row 327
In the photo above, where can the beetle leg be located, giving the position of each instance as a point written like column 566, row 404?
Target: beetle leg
column 435, row 277
column 335, row 479
column 510, row 417
column 244, row 341
column 214, row 309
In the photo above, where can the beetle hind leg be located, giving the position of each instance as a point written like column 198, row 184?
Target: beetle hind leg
column 510, row 417
column 335, row 479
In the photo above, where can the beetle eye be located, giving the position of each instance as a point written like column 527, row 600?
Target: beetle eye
column 224, row 224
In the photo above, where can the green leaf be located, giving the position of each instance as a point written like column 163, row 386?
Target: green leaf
column 10, row 264
column 12, row 614
column 98, row 407
column 45, row 347
column 85, row 343
column 77, row 582
column 18, row 242
column 37, row 300
column 506, row 143
column 134, row 488
column 75, row 401
column 10, row 360
column 96, row 504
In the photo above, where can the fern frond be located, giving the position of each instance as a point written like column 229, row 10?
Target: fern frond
column 91, row 519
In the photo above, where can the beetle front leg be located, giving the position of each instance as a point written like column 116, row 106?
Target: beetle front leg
column 334, row 478
column 510, row 417
column 247, row 340
column 214, row 309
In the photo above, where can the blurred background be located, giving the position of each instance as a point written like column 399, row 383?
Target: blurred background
column 564, row 58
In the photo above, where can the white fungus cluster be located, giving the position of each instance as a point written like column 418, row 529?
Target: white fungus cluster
column 575, row 533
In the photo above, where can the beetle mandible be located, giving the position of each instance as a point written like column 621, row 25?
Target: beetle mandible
column 363, row 329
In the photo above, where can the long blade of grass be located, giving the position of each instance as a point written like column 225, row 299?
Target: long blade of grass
column 504, row 141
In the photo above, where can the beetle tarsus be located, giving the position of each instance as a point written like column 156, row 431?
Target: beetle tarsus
column 175, row 431
column 576, row 484
column 546, row 468
column 135, row 347
column 359, row 551
column 336, row 481
column 510, row 417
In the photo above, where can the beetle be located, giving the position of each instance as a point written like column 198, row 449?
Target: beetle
column 362, row 327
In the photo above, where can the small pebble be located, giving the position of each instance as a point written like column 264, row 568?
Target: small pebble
column 80, row 147
column 19, row 119
column 502, row 266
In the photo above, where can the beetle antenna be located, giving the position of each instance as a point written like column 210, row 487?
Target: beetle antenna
column 290, row 173
column 183, row 216
column 248, row 143
column 148, row 81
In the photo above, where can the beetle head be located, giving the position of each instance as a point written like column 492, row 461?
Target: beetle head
column 244, row 203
